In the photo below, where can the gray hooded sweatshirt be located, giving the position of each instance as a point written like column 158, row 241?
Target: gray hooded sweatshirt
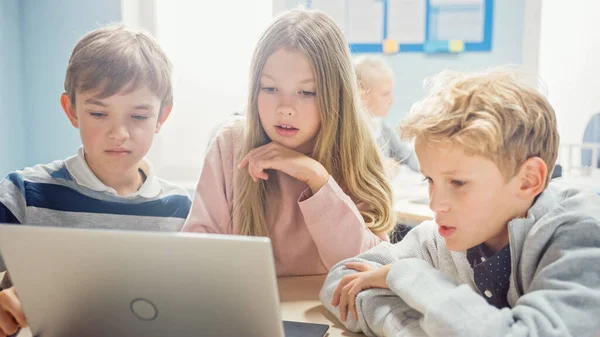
column 554, row 283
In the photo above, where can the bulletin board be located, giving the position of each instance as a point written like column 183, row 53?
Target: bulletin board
column 425, row 26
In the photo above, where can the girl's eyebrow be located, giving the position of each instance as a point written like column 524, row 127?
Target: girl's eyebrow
column 307, row 80
column 268, row 76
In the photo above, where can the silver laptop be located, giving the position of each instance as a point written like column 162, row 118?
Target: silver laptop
column 84, row 282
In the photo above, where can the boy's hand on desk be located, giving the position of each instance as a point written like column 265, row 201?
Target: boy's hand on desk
column 275, row 156
column 351, row 285
column 11, row 313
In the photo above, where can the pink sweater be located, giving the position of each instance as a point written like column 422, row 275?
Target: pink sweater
column 309, row 233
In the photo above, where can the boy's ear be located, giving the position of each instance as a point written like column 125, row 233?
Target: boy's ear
column 69, row 109
column 163, row 118
column 533, row 175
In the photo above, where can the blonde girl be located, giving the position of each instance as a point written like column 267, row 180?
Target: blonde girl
column 301, row 167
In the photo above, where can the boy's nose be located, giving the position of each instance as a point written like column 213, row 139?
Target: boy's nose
column 119, row 132
column 438, row 203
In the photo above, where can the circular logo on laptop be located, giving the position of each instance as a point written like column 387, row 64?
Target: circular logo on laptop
column 143, row 309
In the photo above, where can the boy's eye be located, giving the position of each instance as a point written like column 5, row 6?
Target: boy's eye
column 428, row 180
column 97, row 114
column 269, row 89
column 307, row 93
column 139, row 117
column 458, row 183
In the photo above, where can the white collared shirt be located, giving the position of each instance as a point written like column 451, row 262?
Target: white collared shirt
column 84, row 176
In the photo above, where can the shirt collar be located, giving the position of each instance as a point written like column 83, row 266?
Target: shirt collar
column 482, row 257
column 84, row 176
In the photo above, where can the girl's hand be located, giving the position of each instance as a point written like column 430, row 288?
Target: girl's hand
column 275, row 156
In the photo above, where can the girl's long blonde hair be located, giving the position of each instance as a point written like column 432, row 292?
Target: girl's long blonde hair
column 344, row 145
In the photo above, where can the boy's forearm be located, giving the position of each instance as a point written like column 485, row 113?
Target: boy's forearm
column 384, row 253
column 442, row 302
column 378, row 256
column 335, row 276
column 450, row 309
column 380, row 311
column 326, row 295
column 328, row 289
column 389, row 316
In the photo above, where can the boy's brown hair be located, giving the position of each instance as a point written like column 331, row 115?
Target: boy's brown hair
column 117, row 58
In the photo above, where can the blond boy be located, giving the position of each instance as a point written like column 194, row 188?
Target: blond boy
column 508, row 254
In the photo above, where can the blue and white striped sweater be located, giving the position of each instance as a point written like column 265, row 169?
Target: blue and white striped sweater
column 66, row 193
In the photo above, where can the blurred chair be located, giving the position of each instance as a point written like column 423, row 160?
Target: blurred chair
column 591, row 136
column 557, row 172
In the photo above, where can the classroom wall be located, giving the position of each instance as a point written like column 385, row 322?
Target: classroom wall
column 412, row 68
column 11, row 87
column 50, row 31
column 36, row 38
column 570, row 63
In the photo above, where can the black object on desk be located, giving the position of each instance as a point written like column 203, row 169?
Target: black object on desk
column 299, row 329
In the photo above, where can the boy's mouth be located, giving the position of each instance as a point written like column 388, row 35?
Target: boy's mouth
column 445, row 231
column 117, row 152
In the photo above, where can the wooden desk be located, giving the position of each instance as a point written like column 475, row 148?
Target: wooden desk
column 299, row 297
column 411, row 213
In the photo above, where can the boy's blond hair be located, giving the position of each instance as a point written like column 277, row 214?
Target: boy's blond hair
column 370, row 69
column 492, row 114
column 117, row 58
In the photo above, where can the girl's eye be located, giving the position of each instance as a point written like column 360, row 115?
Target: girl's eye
column 307, row 93
column 269, row 89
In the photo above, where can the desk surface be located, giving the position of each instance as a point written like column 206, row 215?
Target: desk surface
column 299, row 297
column 411, row 194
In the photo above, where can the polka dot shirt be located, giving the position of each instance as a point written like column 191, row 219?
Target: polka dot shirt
column 492, row 273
